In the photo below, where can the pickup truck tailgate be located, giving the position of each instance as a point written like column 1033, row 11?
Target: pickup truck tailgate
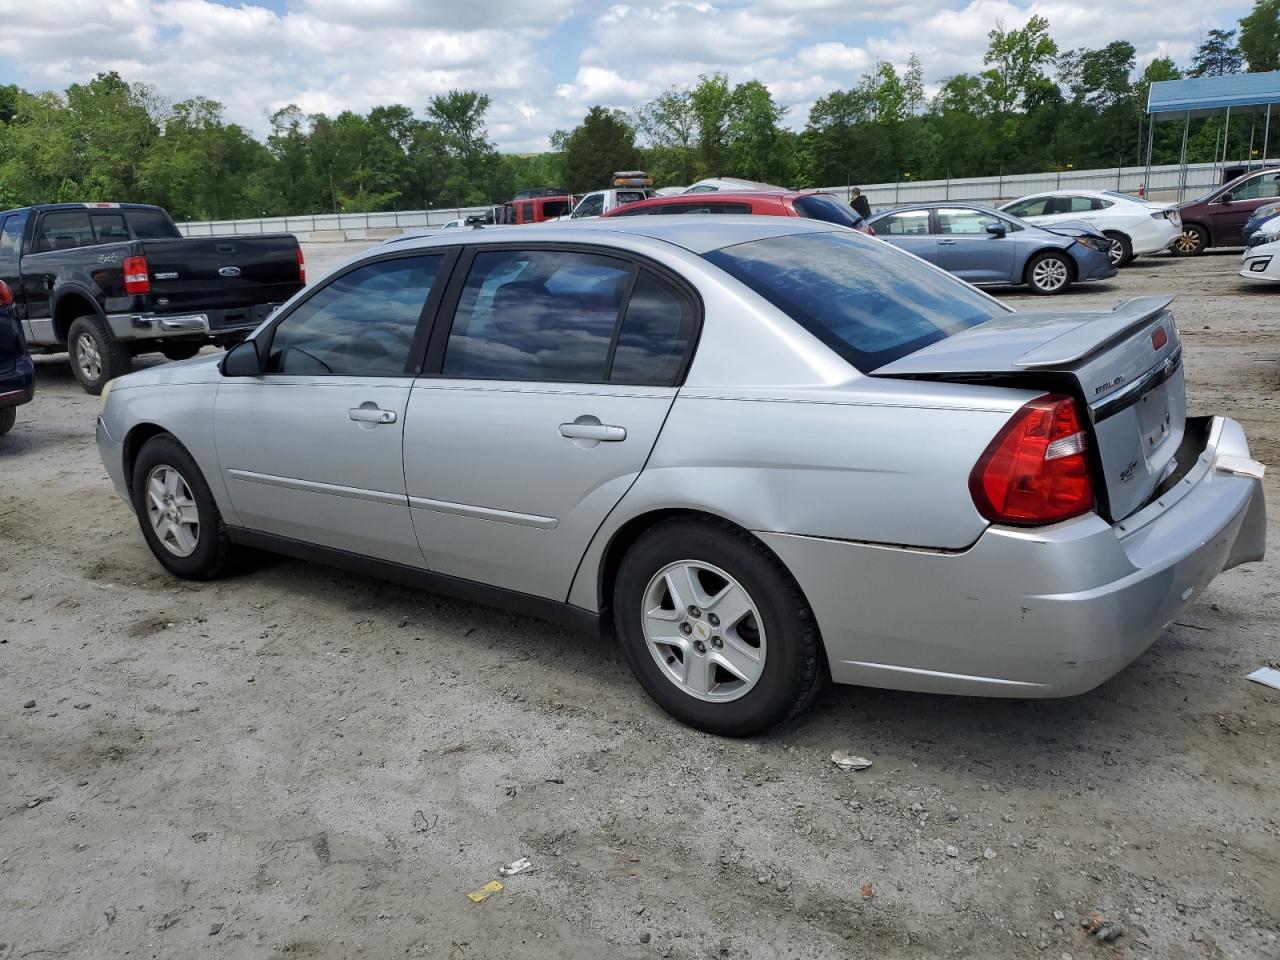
column 222, row 273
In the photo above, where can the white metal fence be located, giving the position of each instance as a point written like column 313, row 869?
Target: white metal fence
column 1167, row 183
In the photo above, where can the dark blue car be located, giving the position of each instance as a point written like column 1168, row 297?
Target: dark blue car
column 1257, row 219
column 986, row 246
column 17, row 375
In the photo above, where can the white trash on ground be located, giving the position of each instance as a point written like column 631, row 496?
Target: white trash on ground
column 847, row 761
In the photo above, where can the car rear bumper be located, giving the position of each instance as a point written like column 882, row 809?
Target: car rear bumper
column 1157, row 239
column 1046, row 612
column 18, row 384
column 221, row 325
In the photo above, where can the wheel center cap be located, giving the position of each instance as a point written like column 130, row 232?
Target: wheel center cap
column 701, row 631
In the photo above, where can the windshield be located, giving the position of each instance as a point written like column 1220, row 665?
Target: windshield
column 866, row 300
column 821, row 206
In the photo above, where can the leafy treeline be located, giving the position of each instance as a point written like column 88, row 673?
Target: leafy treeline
column 1034, row 107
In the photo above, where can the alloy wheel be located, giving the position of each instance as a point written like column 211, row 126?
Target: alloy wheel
column 1188, row 241
column 1049, row 274
column 704, row 631
column 88, row 358
column 1116, row 253
column 172, row 511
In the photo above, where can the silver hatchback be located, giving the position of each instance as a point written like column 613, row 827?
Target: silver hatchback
column 764, row 451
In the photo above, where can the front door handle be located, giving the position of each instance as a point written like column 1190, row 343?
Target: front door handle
column 371, row 414
column 593, row 431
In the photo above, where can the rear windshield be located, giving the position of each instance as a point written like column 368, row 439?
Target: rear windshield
column 866, row 300
column 822, row 206
column 151, row 225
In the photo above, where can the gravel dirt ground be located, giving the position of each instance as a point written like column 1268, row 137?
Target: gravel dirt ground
column 302, row 763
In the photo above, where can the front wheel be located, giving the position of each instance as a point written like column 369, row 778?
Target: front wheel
column 8, row 417
column 178, row 515
column 1049, row 273
column 1193, row 240
column 96, row 357
column 715, row 628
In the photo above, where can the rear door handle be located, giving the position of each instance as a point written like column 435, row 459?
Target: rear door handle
column 593, row 431
column 371, row 415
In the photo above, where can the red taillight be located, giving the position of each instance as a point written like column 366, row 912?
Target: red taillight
column 136, row 277
column 6, row 295
column 302, row 267
column 1036, row 470
column 1159, row 338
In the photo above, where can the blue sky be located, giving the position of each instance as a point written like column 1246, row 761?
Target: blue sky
column 542, row 61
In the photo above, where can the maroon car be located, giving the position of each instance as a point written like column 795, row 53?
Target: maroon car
column 1218, row 218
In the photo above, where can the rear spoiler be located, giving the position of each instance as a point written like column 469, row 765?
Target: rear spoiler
column 1094, row 335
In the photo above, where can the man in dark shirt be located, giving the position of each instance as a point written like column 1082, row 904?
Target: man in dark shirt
column 859, row 203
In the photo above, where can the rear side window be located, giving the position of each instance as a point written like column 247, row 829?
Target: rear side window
column 152, row 225
column 909, row 224
column 820, row 206
column 866, row 300
column 655, row 333
column 11, row 237
column 360, row 325
column 109, row 227
column 546, row 315
column 64, row 230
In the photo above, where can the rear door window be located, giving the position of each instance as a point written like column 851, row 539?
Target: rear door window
column 911, row 223
column 64, row 230
column 865, row 299
column 109, row 227
column 545, row 315
column 152, row 225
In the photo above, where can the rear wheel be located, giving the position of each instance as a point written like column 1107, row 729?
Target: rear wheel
column 1193, row 240
column 1048, row 273
column 715, row 628
column 178, row 515
column 1121, row 251
column 96, row 357
column 8, row 417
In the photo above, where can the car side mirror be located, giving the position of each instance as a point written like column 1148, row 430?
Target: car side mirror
column 997, row 229
column 1226, row 198
column 243, row 360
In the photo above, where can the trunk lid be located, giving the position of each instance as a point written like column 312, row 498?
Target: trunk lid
column 221, row 273
column 1124, row 365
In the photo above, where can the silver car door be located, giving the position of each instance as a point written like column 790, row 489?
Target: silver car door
column 548, row 393
column 312, row 449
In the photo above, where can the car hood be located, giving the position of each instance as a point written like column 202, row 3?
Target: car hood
column 196, row 370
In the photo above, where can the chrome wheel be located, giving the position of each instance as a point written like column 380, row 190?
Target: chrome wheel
column 1188, row 241
column 88, row 358
column 172, row 511
column 704, row 631
column 1049, row 274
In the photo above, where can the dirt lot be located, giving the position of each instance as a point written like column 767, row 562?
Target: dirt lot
column 302, row 763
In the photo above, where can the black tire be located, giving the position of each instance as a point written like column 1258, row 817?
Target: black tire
column 180, row 350
column 212, row 554
column 1059, row 270
column 1122, row 249
column 107, row 360
column 794, row 668
column 8, row 417
column 1193, row 241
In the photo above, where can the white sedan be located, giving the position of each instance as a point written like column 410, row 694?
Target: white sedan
column 1261, row 260
column 1135, row 226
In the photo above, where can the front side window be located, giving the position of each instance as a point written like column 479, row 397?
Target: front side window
column 961, row 220
column 912, row 223
column 546, row 315
column 11, row 236
column 591, row 206
column 360, row 325
column 64, row 230
column 1265, row 185
column 865, row 299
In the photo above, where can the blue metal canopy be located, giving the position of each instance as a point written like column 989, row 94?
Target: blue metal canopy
column 1201, row 95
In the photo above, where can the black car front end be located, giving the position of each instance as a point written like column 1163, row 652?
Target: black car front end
column 17, row 374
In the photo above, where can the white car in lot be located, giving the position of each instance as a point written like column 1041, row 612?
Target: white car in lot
column 1135, row 226
column 1261, row 259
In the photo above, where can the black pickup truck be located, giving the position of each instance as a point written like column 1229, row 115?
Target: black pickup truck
column 109, row 281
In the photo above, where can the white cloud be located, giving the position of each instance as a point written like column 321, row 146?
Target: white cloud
column 542, row 61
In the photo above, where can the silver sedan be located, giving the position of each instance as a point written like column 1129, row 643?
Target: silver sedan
column 763, row 451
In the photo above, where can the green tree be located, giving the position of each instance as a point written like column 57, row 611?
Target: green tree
column 1016, row 59
column 1260, row 36
column 757, row 148
column 604, row 142
column 712, row 102
column 669, row 126
column 1217, row 56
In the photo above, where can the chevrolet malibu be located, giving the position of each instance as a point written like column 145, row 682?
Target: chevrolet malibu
column 763, row 451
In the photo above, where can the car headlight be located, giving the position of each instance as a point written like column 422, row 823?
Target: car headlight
column 1100, row 244
column 102, row 397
